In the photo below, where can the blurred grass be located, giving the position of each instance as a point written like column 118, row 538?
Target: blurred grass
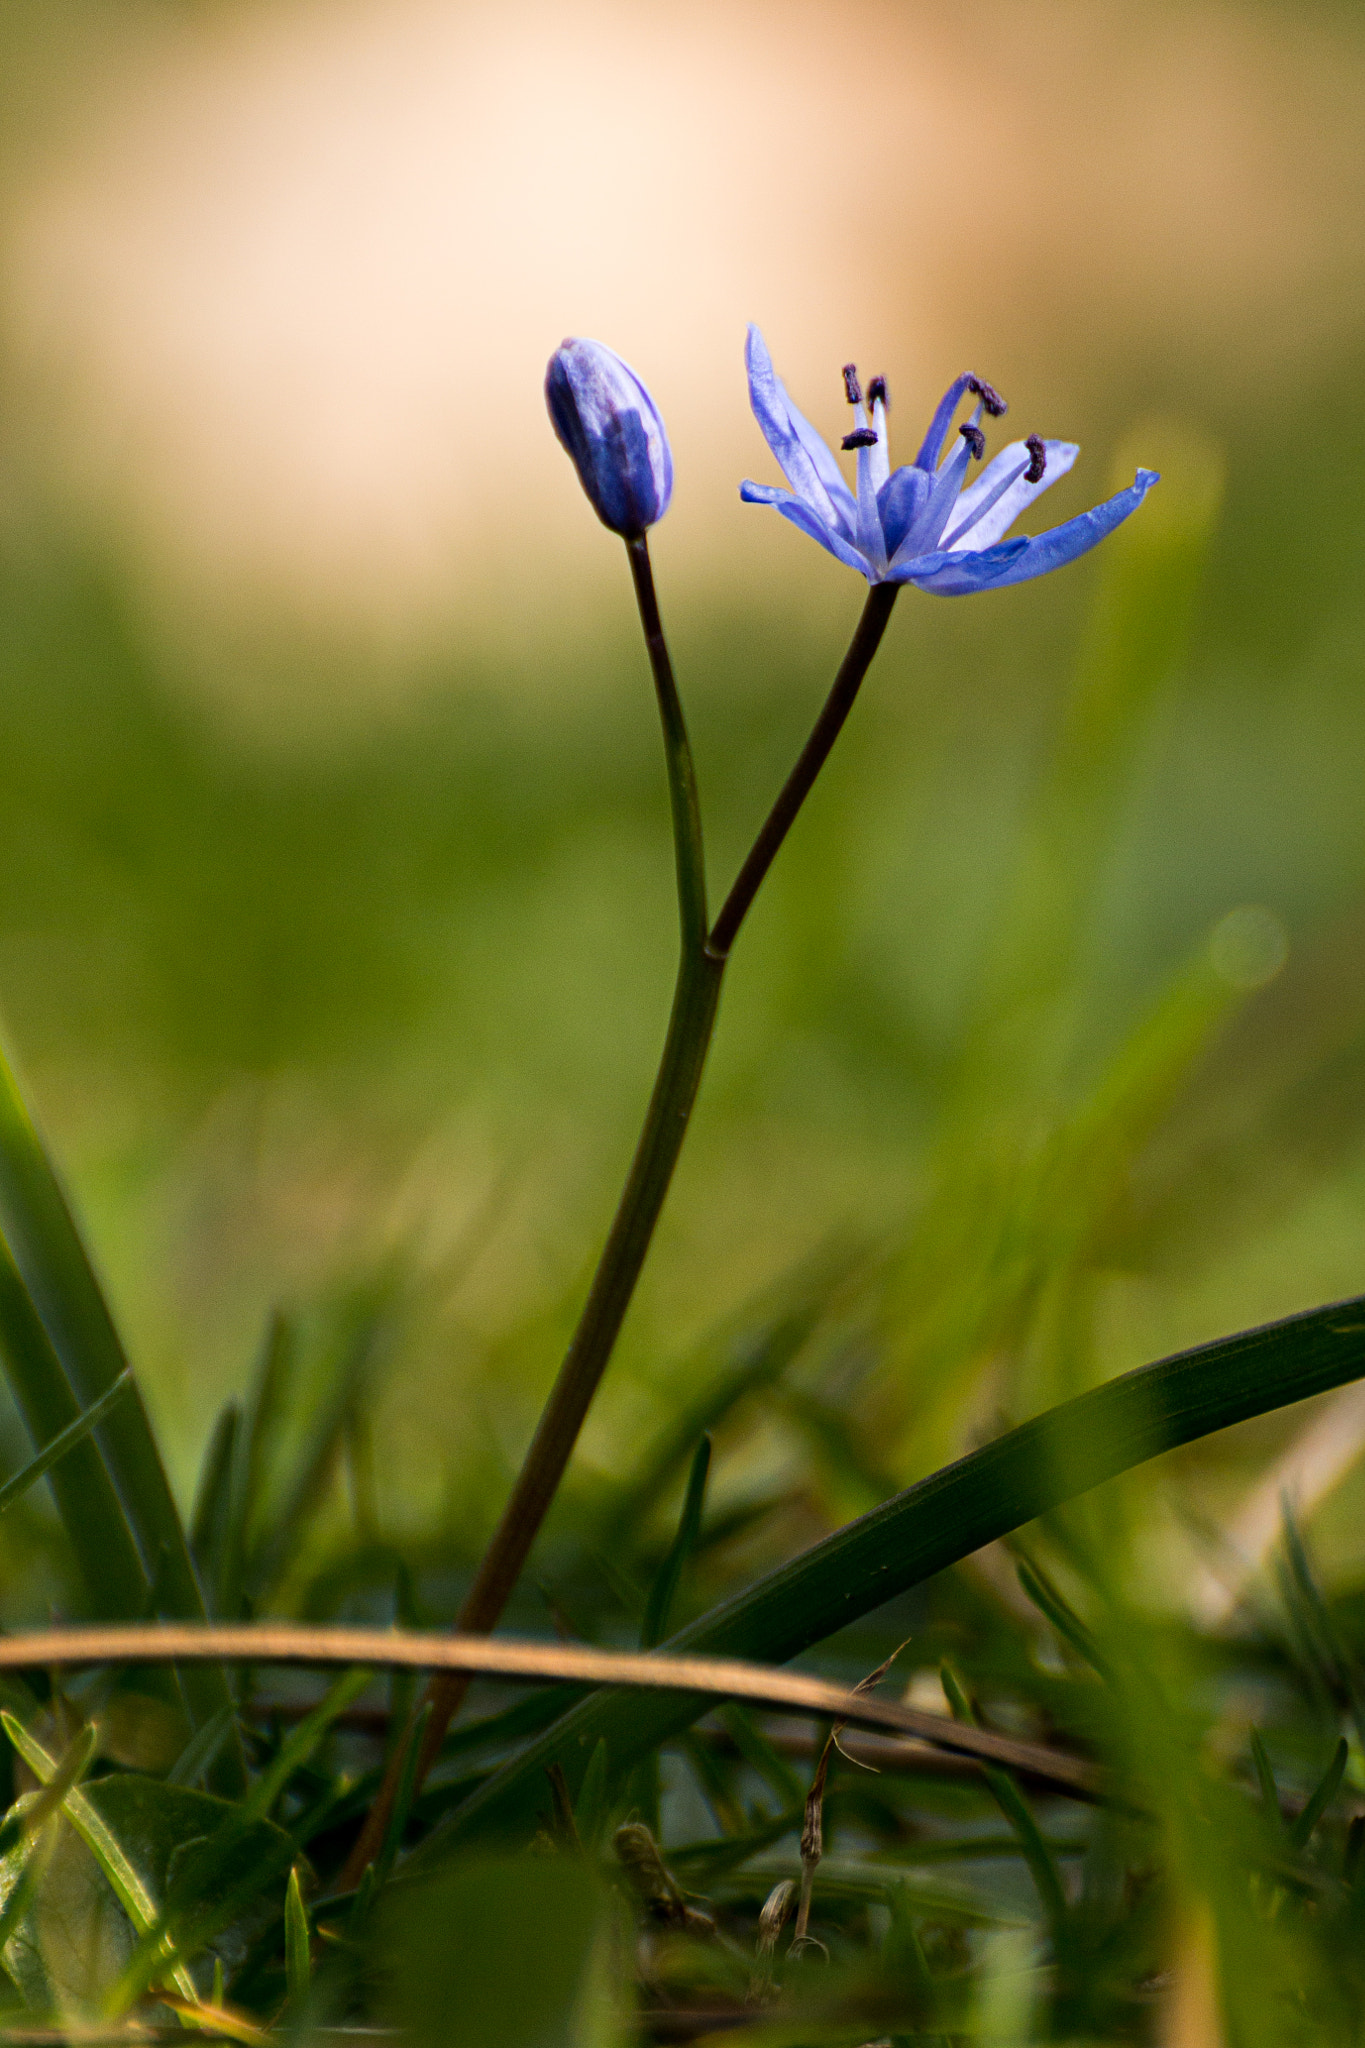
column 247, row 984
column 295, row 1011
column 338, row 981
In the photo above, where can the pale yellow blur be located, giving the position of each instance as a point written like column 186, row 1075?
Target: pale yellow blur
column 278, row 304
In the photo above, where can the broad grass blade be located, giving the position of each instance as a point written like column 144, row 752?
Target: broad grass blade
column 96, row 1526
column 56, row 1269
column 982, row 1497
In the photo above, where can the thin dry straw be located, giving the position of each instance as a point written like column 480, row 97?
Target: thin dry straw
column 788, row 1692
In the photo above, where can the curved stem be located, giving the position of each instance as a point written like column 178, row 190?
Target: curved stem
column 864, row 644
column 689, row 1035
column 701, row 969
column 689, row 854
column 695, row 998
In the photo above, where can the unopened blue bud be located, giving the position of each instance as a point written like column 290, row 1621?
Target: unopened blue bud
column 615, row 437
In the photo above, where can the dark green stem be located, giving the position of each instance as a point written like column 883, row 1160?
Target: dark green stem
column 695, row 998
column 689, row 1035
column 701, row 969
column 797, row 787
column 688, row 851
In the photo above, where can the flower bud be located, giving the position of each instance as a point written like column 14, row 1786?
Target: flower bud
column 614, row 435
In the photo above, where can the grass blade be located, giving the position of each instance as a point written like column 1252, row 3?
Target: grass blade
column 1265, row 1779
column 210, row 1521
column 1022, row 1474
column 364, row 1343
column 71, row 1768
column 64, row 1441
column 273, row 1386
column 128, row 1888
column 298, row 1963
column 759, row 1754
column 753, row 1362
column 61, row 1283
column 96, row 1526
column 655, row 1625
column 202, row 1748
column 1007, row 1796
column 30, row 1821
column 1068, row 1624
column 1309, row 1612
column 402, row 1805
column 302, row 1743
column 590, row 1814
column 1301, row 1832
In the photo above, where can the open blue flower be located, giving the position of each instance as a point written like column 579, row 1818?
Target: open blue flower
column 918, row 524
column 614, row 434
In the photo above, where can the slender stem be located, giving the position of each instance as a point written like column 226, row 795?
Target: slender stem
column 864, row 644
column 689, row 854
column 701, row 969
column 689, row 1035
column 695, row 997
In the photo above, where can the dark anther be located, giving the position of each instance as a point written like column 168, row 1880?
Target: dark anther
column 863, row 437
column 877, row 390
column 1037, row 459
column 853, row 390
column 988, row 395
column 974, row 438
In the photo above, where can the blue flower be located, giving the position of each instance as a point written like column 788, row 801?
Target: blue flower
column 614, row 434
column 918, row 524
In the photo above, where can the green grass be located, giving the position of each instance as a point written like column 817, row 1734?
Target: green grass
column 341, row 1050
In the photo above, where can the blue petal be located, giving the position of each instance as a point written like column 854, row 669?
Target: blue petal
column 881, row 452
column 1062, row 544
column 800, row 514
column 870, row 539
column 932, row 448
column 956, row 572
column 826, row 465
column 988, row 508
column 900, row 502
column 937, row 510
column 613, row 432
column 778, row 419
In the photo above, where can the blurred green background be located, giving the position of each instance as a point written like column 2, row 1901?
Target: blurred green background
column 336, row 929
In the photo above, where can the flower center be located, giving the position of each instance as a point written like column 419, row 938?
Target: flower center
column 1037, row 459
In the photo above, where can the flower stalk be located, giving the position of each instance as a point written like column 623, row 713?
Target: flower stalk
column 703, row 956
column 908, row 525
column 866, row 640
column 695, row 998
